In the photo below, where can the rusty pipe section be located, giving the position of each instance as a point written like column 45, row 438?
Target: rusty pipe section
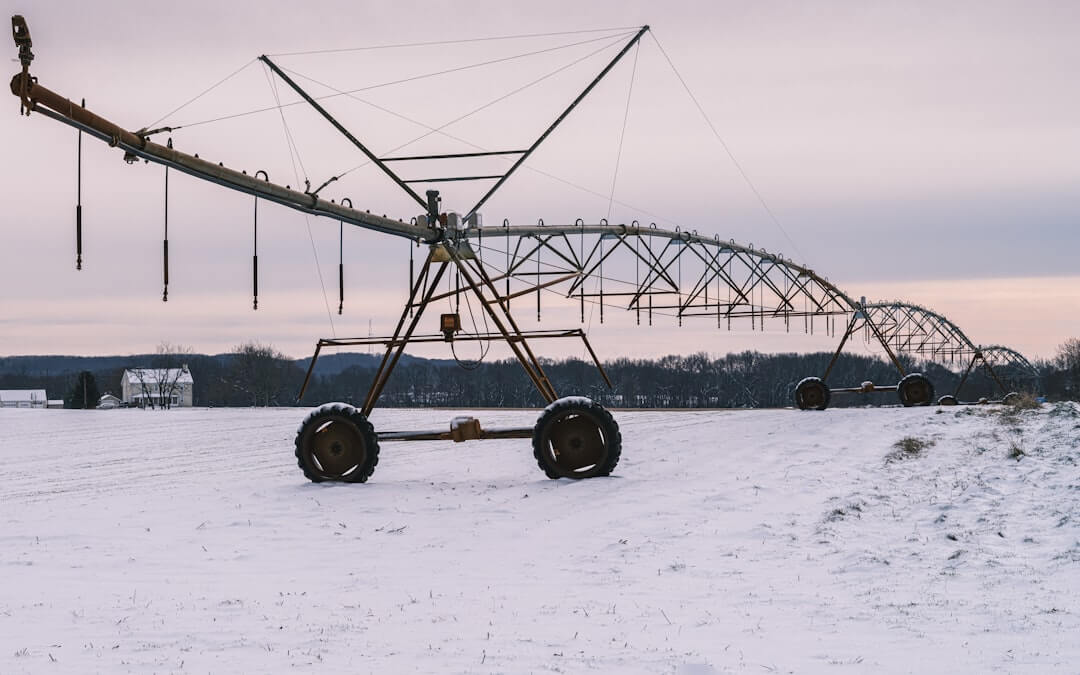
column 37, row 98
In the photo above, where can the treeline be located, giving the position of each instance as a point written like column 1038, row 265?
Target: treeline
column 256, row 375
column 745, row 380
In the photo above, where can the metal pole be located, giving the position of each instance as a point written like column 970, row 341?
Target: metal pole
column 378, row 384
column 311, row 367
column 967, row 372
column 531, row 365
column 836, row 355
column 521, row 160
column 345, row 132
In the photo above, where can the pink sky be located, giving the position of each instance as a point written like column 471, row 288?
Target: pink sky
column 920, row 152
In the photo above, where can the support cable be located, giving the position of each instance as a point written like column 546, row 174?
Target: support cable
column 622, row 134
column 371, row 87
column 197, row 97
column 294, row 157
column 727, row 149
column 455, row 42
column 439, row 129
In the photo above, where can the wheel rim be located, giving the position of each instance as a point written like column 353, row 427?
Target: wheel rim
column 917, row 391
column 336, row 447
column 813, row 395
column 576, row 442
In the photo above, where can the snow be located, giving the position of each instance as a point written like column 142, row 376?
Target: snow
column 726, row 541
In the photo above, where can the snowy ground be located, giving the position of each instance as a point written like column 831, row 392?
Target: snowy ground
column 727, row 541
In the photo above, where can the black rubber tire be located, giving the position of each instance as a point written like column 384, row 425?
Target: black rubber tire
column 947, row 399
column 915, row 389
column 812, row 394
column 588, row 418
column 358, row 451
column 1011, row 398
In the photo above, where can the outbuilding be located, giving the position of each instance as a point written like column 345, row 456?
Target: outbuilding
column 108, row 402
column 23, row 398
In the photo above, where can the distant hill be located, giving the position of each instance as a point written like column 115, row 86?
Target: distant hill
column 334, row 364
column 52, row 365
column 61, row 365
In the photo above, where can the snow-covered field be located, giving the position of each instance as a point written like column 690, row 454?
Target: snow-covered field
column 727, row 541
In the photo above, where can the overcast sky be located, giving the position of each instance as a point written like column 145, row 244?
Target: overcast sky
column 923, row 151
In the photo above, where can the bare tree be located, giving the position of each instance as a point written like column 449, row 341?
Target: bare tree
column 145, row 381
column 1068, row 356
column 168, row 369
column 260, row 371
column 1068, row 361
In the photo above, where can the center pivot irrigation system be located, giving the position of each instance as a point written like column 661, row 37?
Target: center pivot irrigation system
column 674, row 273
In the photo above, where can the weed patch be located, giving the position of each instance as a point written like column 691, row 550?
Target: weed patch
column 906, row 448
column 1024, row 401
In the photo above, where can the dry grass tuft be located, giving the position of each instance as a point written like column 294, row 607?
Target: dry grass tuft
column 908, row 447
column 1025, row 401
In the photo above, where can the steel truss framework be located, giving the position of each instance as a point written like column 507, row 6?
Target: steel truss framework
column 917, row 330
column 675, row 272
column 685, row 275
column 653, row 271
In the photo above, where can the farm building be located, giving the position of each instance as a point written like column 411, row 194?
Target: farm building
column 108, row 402
column 23, row 398
column 158, row 387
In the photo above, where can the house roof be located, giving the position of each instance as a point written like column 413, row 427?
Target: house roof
column 150, row 376
column 34, row 395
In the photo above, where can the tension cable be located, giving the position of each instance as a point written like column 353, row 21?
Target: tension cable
column 727, row 150
column 454, row 42
column 294, row 157
column 369, row 87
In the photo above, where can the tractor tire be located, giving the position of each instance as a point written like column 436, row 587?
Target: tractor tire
column 576, row 437
column 1011, row 398
column 915, row 389
column 335, row 442
column 947, row 399
column 812, row 394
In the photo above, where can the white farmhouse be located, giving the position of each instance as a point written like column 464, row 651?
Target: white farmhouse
column 158, row 387
column 23, row 398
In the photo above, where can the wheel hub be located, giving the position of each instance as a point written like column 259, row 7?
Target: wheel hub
column 916, row 392
column 577, row 442
column 337, row 447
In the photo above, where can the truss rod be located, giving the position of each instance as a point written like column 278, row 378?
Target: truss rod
column 345, row 132
column 521, row 160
